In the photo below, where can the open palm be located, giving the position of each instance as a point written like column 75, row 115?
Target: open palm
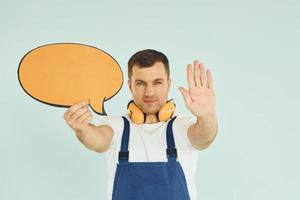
column 200, row 97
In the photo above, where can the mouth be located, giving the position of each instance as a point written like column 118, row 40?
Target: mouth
column 149, row 100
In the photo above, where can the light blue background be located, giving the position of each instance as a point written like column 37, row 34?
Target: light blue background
column 252, row 48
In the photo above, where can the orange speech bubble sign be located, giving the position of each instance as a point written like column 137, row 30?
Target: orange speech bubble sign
column 65, row 73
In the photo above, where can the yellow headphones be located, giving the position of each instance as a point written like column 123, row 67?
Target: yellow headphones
column 139, row 117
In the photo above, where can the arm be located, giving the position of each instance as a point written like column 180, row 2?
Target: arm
column 96, row 138
column 200, row 99
column 203, row 132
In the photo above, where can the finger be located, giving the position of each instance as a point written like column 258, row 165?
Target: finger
column 202, row 75
column 86, row 121
column 73, row 109
column 77, row 106
column 197, row 73
column 83, row 117
column 79, row 113
column 185, row 95
column 190, row 77
column 72, row 121
column 209, row 79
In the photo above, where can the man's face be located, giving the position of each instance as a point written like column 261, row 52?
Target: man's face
column 149, row 87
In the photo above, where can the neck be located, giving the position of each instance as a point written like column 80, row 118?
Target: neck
column 151, row 119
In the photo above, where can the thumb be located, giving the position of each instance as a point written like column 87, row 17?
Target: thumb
column 185, row 95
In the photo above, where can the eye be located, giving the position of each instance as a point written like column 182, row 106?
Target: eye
column 138, row 83
column 158, row 83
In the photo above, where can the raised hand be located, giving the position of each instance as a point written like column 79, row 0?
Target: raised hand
column 200, row 97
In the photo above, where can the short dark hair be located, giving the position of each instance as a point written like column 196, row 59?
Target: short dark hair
column 147, row 58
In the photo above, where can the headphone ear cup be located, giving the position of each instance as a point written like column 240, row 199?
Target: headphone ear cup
column 136, row 115
column 167, row 111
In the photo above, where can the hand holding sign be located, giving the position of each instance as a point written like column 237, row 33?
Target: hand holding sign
column 78, row 116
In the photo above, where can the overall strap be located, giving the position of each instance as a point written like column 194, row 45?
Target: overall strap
column 124, row 153
column 171, row 150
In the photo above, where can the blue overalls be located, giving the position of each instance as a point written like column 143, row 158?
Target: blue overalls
column 149, row 180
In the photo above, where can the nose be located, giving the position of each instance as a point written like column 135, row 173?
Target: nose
column 149, row 91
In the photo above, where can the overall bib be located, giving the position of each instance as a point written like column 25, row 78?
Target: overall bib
column 149, row 180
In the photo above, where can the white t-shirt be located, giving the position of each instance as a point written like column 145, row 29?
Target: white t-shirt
column 147, row 143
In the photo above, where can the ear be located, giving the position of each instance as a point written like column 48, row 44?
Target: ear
column 169, row 84
column 129, row 84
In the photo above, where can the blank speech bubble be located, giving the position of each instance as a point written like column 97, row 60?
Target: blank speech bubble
column 63, row 74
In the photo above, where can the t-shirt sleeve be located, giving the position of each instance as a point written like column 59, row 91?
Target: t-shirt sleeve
column 181, row 126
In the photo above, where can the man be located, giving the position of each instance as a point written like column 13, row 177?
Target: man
column 138, row 164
